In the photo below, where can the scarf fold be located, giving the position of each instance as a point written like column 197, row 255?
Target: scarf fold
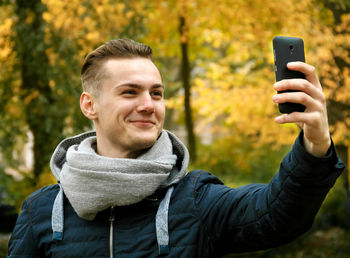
column 93, row 183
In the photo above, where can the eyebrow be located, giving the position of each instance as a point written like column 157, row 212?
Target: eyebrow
column 138, row 86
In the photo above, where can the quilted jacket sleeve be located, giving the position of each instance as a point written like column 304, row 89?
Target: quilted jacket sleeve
column 261, row 216
column 22, row 242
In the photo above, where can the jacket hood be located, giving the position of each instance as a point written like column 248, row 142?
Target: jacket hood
column 58, row 158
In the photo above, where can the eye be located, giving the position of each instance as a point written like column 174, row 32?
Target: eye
column 129, row 92
column 157, row 93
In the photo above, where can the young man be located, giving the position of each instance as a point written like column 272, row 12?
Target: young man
column 123, row 190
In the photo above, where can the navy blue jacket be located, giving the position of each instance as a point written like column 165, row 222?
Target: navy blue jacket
column 206, row 218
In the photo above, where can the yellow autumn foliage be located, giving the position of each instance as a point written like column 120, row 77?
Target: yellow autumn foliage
column 230, row 46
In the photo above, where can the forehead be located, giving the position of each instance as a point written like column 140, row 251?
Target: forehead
column 122, row 68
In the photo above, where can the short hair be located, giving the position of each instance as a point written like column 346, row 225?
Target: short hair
column 91, row 72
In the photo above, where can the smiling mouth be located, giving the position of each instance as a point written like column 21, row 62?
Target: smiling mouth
column 143, row 123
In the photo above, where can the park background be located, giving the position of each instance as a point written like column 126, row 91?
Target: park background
column 216, row 60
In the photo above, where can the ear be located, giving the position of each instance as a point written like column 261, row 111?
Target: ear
column 88, row 105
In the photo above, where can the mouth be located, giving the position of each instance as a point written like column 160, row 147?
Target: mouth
column 143, row 123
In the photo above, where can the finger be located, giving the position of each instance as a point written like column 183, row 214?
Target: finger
column 300, row 117
column 308, row 70
column 299, row 85
column 309, row 102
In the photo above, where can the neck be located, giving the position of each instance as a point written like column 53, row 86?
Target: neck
column 108, row 150
column 116, row 153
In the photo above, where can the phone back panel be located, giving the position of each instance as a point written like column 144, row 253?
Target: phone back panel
column 287, row 49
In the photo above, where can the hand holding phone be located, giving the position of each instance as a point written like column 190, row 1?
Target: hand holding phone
column 288, row 49
column 314, row 122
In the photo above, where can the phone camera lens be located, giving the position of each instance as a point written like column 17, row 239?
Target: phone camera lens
column 291, row 47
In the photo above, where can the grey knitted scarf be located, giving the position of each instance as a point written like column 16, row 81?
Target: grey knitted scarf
column 93, row 183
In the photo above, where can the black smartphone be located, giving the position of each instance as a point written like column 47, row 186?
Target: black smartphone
column 285, row 50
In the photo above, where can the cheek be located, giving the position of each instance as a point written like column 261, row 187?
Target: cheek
column 118, row 106
column 161, row 111
column 123, row 110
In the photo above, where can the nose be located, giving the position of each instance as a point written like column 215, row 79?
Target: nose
column 146, row 103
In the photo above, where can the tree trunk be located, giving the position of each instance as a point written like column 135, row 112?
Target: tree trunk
column 36, row 94
column 185, row 73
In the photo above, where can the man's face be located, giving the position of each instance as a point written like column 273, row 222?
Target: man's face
column 130, row 107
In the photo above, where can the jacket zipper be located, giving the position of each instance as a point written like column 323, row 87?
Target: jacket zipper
column 111, row 222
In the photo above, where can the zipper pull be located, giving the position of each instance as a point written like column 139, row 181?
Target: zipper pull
column 111, row 221
column 111, row 216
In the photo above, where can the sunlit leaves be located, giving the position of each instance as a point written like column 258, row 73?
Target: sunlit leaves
column 233, row 75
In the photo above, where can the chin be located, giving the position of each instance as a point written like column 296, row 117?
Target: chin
column 148, row 140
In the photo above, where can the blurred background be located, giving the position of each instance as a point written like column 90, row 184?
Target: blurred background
column 216, row 60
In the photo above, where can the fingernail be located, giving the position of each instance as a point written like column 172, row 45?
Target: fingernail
column 291, row 64
column 277, row 83
column 279, row 119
